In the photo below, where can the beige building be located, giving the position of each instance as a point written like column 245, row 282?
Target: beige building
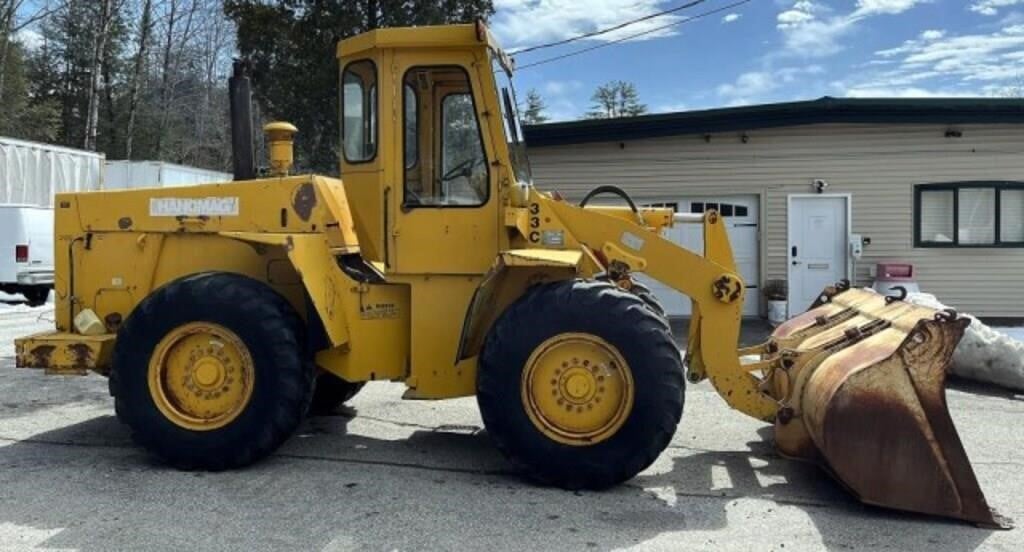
column 822, row 190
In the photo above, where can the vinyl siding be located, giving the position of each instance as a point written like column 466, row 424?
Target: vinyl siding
column 878, row 165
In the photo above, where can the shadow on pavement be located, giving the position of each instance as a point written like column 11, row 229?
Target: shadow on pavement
column 86, row 487
column 983, row 389
column 761, row 473
column 753, row 331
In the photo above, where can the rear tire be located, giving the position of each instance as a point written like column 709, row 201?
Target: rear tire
column 330, row 392
column 611, row 317
column 280, row 381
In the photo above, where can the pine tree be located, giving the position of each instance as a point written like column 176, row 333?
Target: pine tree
column 533, row 113
column 292, row 47
column 21, row 116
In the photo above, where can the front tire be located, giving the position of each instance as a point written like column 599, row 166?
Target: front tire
column 580, row 384
column 209, row 372
column 645, row 295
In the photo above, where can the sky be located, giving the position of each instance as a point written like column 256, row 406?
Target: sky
column 766, row 51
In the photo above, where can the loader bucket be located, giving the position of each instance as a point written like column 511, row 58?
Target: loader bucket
column 861, row 383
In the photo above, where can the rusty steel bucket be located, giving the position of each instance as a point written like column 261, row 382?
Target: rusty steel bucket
column 860, row 378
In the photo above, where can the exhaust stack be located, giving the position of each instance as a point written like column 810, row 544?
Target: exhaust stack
column 240, row 94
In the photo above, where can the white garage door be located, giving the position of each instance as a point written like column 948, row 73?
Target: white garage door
column 741, row 217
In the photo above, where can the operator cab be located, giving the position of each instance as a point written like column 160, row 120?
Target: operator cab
column 430, row 140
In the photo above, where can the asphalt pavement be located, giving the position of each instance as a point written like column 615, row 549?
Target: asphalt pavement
column 387, row 474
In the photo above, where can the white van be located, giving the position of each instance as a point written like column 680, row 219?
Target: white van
column 26, row 251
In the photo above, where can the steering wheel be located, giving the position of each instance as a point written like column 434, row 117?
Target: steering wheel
column 464, row 168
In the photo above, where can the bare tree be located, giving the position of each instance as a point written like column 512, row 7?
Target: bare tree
column 142, row 78
column 178, row 32
column 145, row 31
column 616, row 99
column 215, row 46
column 106, row 11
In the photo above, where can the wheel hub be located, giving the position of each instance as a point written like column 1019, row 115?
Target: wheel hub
column 577, row 389
column 201, row 376
column 208, row 373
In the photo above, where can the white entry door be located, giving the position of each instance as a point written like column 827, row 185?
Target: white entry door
column 817, row 247
column 741, row 215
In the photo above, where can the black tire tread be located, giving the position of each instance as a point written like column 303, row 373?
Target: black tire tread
column 663, row 403
column 262, row 427
column 645, row 295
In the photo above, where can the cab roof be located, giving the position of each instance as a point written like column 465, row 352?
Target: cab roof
column 444, row 36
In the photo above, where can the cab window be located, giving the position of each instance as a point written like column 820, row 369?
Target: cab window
column 359, row 111
column 411, row 101
column 510, row 121
column 445, row 164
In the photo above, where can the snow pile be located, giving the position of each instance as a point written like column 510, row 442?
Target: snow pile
column 984, row 354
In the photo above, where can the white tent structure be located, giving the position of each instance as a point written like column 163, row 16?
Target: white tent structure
column 31, row 173
column 121, row 175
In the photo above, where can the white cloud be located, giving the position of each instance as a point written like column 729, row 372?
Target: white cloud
column 991, row 7
column 793, row 18
column 902, row 92
column 811, row 29
column 938, row 64
column 561, row 88
column 754, row 83
column 891, row 7
column 802, row 11
column 670, row 107
column 755, row 86
column 529, row 22
column 913, row 44
column 729, row 18
column 559, row 98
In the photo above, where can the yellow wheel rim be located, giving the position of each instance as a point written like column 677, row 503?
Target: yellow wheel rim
column 201, row 376
column 577, row 389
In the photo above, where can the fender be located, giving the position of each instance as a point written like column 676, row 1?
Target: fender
column 512, row 273
column 366, row 322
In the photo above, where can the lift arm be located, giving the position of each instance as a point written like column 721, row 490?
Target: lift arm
column 712, row 282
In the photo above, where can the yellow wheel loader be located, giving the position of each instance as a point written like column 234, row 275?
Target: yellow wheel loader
column 220, row 312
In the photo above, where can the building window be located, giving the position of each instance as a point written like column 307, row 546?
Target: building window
column 969, row 214
column 670, row 205
column 724, row 209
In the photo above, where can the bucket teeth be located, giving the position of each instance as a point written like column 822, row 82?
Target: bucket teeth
column 864, row 396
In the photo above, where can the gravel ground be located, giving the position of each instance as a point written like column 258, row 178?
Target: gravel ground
column 390, row 474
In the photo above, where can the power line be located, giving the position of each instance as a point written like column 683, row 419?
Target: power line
column 608, row 29
column 637, row 35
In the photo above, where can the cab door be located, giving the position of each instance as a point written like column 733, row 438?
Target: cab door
column 445, row 209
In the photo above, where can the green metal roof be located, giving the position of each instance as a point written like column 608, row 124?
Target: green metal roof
column 940, row 111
